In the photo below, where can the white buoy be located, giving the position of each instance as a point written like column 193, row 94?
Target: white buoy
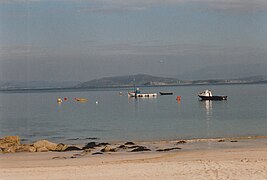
column 96, row 102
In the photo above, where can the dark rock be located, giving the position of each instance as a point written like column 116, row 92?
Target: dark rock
column 132, row 147
column 76, row 155
column 72, row 148
column 122, row 147
column 91, row 145
column 61, row 147
column 181, row 142
column 168, row 149
column 234, row 141
column 129, row 143
column 96, row 153
column 221, row 140
column 140, row 148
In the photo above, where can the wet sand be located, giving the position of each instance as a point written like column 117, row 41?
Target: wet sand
column 201, row 159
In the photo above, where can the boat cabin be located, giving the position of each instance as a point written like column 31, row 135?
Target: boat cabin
column 206, row 93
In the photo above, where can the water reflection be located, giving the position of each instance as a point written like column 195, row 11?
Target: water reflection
column 208, row 108
column 208, row 119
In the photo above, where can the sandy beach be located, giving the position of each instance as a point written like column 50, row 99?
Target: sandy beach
column 209, row 159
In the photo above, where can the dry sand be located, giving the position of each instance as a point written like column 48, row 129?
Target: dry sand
column 206, row 160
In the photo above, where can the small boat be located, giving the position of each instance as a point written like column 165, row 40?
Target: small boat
column 166, row 93
column 138, row 94
column 81, row 99
column 207, row 95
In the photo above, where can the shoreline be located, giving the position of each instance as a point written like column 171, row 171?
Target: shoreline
column 16, row 141
column 82, row 141
column 202, row 159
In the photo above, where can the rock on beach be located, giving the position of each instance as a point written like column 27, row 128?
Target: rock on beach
column 11, row 144
column 44, row 144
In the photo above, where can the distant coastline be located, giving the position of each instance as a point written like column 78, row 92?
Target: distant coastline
column 193, row 83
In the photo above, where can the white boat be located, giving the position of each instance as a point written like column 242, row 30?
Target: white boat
column 138, row 94
column 207, row 95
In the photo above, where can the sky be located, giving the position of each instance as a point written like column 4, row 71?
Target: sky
column 80, row 40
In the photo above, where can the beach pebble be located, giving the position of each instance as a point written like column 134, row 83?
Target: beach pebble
column 108, row 149
column 168, row 149
column 76, row 155
column 87, row 150
column 59, row 157
column 244, row 160
column 72, row 148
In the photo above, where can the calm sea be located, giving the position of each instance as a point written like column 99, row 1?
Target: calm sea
column 37, row 115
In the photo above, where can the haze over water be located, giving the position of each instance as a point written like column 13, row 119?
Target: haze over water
column 37, row 115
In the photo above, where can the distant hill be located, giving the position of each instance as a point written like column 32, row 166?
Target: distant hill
column 228, row 71
column 125, row 81
column 138, row 80
column 148, row 80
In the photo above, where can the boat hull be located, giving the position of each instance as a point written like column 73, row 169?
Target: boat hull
column 165, row 93
column 142, row 95
column 213, row 98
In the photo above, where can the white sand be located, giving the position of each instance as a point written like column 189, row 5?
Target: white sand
column 230, row 163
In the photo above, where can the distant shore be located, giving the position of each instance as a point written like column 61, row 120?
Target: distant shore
column 227, row 158
column 55, row 89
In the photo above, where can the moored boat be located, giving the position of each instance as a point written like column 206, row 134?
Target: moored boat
column 165, row 93
column 81, row 99
column 138, row 94
column 207, row 95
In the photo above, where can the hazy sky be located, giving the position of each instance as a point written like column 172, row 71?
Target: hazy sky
column 65, row 40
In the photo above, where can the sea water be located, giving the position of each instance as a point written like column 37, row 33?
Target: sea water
column 109, row 116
